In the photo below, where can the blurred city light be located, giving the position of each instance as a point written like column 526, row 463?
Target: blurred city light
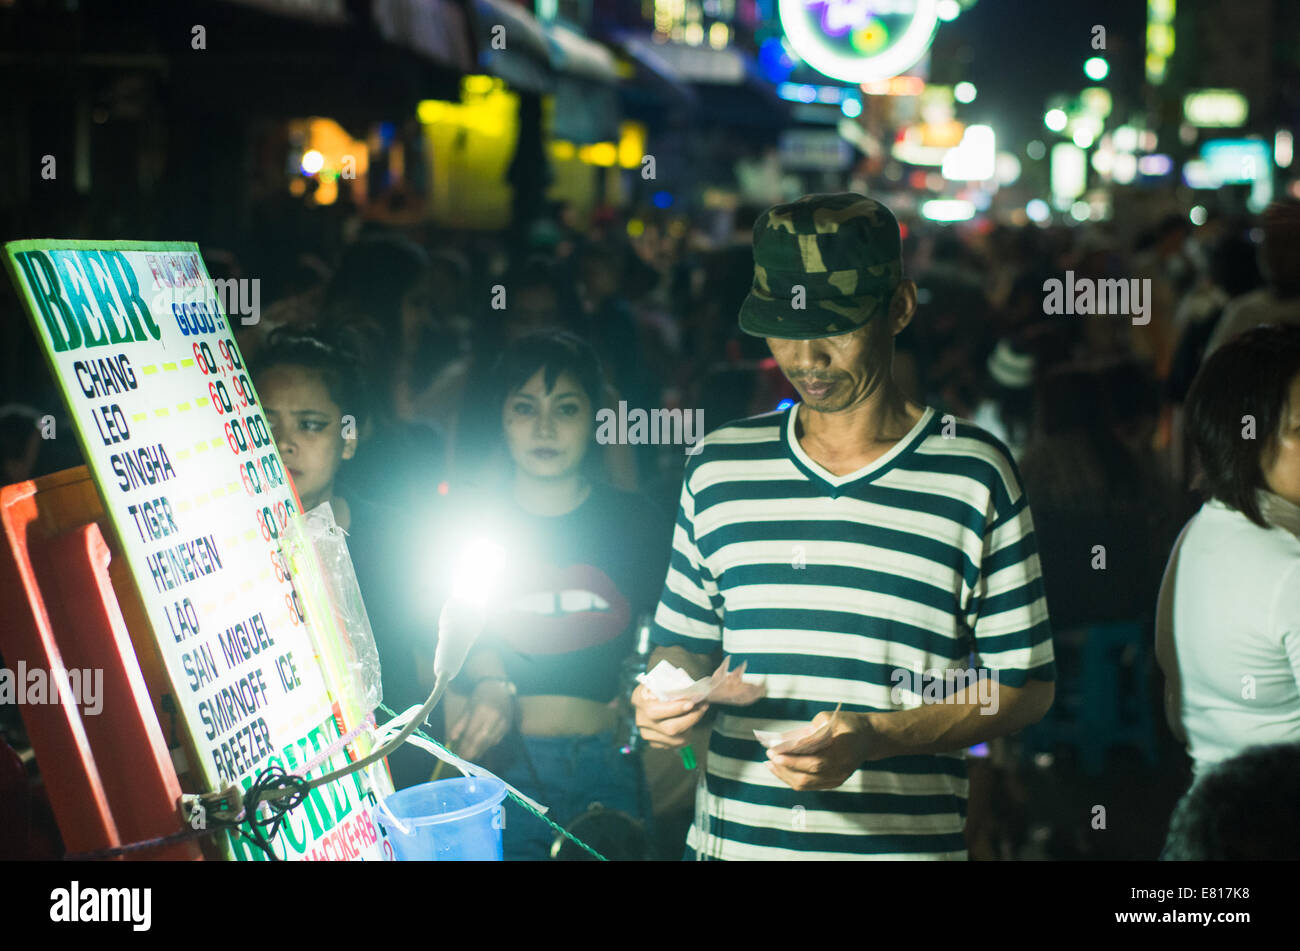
column 1126, row 139
column 1197, row 174
column 851, row 108
column 604, row 154
column 1035, row 150
column 1238, row 161
column 775, row 61
column 948, row 10
column 1096, row 69
column 948, row 209
column 1083, row 137
column 312, row 162
column 1069, row 170
column 895, row 86
column 964, row 92
column 631, row 143
column 1283, row 148
column 1160, row 38
column 1056, row 120
column 1080, row 211
column 1216, row 108
column 1103, row 159
column 1157, row 165
column 1037, row 210
column 1008, row 168
column 853, row 42
column 975, row 157
column 1125, row 168
column 1198, row 215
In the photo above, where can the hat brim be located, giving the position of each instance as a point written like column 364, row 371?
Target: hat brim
column 762, row 316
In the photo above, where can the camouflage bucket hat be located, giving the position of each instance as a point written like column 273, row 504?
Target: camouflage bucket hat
column 823, row 265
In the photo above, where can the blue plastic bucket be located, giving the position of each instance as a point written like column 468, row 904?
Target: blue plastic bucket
column 452, row 820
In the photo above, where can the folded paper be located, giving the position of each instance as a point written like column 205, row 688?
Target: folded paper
column 669, row 682
column 800, row 740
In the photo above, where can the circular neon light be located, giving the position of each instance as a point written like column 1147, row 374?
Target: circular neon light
column 859, row 41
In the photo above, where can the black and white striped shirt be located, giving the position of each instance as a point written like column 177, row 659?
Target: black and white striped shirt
column 856, row 590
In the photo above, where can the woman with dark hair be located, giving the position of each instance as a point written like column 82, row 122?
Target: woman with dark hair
column 1228, row 623
column 316, row 400
column 584, row 561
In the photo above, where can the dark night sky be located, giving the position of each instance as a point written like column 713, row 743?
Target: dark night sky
column 1018, row 52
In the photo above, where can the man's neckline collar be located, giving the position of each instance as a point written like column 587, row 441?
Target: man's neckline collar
column 834, row 485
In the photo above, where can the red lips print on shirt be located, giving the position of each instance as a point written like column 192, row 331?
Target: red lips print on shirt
column 561, row 610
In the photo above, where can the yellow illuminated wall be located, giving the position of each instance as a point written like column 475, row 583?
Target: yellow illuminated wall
column 588, row 175
column 471, row 143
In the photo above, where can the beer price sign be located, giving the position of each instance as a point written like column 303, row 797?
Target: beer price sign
column 172, row 430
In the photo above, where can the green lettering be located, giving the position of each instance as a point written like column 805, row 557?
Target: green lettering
column 128, row 291
column 59, row 322
column 92, row 329
column 92, row 265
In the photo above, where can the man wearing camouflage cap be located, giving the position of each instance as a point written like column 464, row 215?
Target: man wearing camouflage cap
column 857, row 551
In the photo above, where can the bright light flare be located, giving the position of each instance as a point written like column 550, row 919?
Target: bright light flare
column 478, row 570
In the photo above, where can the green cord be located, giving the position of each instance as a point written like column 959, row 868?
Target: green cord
column 565, row 832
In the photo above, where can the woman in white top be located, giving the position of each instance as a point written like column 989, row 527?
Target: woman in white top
column 1228, row 621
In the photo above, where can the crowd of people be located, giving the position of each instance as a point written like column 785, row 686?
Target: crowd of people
column 421, row 382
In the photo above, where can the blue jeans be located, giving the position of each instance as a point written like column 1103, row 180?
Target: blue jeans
column 568, row 774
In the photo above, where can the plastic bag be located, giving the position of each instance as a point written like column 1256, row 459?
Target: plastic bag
column 316, row 552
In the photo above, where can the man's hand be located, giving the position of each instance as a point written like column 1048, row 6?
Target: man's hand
column 828, row 766
column 665, row 723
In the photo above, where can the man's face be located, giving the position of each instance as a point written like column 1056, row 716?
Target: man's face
column 833, row 374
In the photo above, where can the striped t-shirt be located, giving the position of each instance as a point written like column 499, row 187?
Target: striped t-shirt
column 848, row 590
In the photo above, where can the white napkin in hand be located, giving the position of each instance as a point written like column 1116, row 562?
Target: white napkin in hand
column 801, row 740
column 669, row 682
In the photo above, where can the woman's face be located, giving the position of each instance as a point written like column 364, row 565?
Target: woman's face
column 308, row 429
column 548, row 433
column 1282, row 467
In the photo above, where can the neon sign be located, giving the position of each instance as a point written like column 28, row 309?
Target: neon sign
column 860, row 41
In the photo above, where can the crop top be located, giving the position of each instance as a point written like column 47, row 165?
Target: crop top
column 575, row 586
